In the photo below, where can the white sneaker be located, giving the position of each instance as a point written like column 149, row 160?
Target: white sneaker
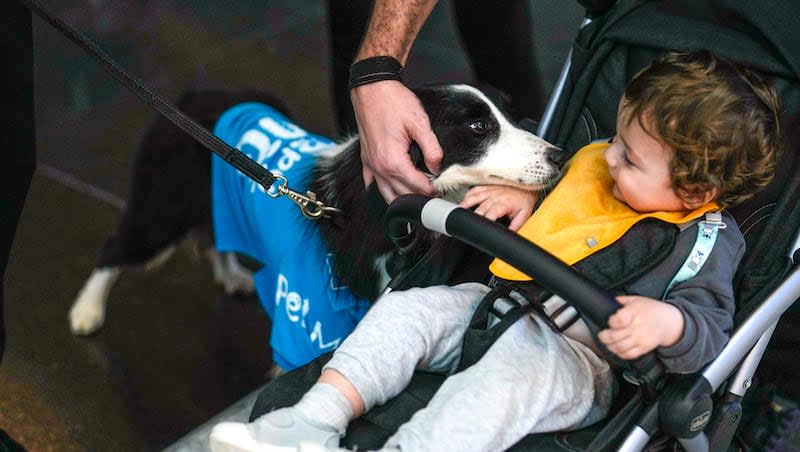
column 310, row 446
column 280, row 430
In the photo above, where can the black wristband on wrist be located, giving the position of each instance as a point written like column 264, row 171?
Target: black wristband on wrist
column 374, row 69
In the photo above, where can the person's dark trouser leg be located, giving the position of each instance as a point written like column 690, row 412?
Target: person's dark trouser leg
column 8, row 444
column 17, row 136
column 347, row 21
column 498, row 36
column 17, row 145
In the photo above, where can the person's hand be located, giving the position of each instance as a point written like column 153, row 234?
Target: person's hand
column 390, row 117
column 641, row 325
column 498, row 201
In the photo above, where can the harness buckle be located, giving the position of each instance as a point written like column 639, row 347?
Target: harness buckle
column 309, row 206
column 715, row 219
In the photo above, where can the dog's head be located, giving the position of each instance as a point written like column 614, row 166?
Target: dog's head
column 481, row 145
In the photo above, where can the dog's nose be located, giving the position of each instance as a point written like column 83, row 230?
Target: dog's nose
column 556, row 155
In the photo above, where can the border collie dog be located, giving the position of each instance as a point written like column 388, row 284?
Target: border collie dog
column 171, row 192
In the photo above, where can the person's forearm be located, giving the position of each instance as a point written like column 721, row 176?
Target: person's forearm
column 393, row 27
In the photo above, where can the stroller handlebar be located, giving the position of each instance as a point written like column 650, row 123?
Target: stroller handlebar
column 594, row 303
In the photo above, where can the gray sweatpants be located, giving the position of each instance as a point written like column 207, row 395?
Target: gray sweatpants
column 531, row 380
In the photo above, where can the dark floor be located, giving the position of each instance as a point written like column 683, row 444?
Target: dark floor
column 175, row 350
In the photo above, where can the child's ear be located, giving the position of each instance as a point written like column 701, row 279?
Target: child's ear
column 692, row 199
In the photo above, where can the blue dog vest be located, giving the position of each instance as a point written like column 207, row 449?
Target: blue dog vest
column 311, row 311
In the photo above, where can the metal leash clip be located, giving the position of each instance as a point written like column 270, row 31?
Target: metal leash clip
column 308, row 203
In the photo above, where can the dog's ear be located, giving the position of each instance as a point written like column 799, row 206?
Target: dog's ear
column 528, row 124
column 500, row 98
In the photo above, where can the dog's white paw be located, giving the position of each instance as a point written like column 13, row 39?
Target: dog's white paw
column 87, row 314
column 239, row 284
column 231, row 275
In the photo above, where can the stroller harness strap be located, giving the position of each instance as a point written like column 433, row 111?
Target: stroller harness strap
column 707, row 232
column 581, row 216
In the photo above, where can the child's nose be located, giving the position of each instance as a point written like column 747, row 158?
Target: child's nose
column 610, row 156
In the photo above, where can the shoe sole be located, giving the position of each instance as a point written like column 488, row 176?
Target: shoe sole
column 222, row 443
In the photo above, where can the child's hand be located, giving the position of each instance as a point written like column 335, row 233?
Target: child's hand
column 497, row 201
column 641, row 325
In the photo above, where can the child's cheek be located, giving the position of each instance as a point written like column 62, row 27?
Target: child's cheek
column 617, row 193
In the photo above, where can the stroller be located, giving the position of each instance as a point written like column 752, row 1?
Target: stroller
column 654, row 410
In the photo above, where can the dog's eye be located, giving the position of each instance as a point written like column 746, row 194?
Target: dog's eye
column 479, row 126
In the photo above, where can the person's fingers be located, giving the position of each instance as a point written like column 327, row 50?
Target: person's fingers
column 620, row 319
column 432, row 153
column 399, row 176
column 386, row 190
column 482, row 208
column 625, row 343
column 616, row 340
column 394, row 172
column 610, row 337
column 518, row 220
column 469, row 202
column 366, row 174
column 474, row 197
column 628, row 351
column 488, row 212
column 415, row 181
column 409, row 180
column 389, row 117
column 393, row 186
column 625, row 299
column 605, row 337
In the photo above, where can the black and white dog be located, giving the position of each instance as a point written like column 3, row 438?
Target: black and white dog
column 170, row 186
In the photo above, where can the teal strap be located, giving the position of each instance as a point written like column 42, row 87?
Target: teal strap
column 706, row 237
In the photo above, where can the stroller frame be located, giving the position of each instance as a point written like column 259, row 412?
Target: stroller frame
column 746, row 346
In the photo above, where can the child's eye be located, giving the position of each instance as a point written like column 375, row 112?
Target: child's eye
column 625, row 157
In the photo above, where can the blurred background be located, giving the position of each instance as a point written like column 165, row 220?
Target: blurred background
column 175, row 351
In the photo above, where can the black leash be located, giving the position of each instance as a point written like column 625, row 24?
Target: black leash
column 308, row 203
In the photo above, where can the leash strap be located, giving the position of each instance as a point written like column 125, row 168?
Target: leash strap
column 707, row 231
column 309, row 205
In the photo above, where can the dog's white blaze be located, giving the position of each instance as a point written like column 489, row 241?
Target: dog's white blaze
column 517, row 158
column 332, row 152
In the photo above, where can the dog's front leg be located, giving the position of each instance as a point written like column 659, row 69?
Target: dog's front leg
column 88, row 312
column 234, row 277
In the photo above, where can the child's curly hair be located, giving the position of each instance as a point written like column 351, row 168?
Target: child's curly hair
column 721, row 120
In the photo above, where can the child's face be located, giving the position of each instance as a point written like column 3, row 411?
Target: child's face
column 640, row 166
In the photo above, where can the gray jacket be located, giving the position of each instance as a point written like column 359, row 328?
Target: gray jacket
column 706, row 300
